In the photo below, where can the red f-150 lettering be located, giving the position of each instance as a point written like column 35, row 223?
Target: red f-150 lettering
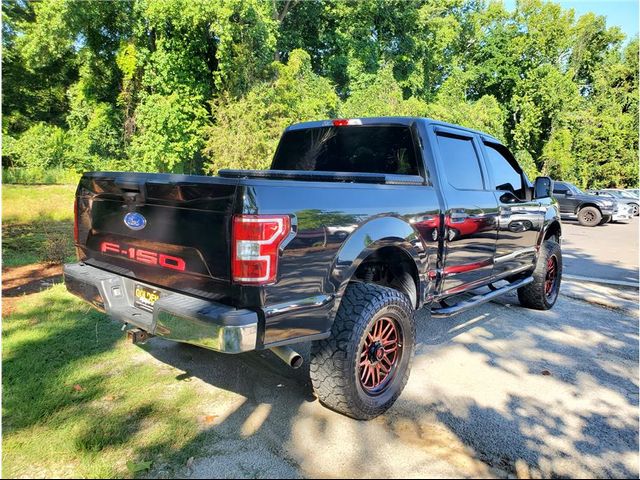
column 144, row 256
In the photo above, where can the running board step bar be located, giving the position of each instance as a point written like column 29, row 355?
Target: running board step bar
column 478, row 299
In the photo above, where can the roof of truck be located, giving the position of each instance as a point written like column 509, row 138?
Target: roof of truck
column 390, row 120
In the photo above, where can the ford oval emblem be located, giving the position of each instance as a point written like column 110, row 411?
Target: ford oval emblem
column 135, row 221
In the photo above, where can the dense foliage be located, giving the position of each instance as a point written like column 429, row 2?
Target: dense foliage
column 184, row 86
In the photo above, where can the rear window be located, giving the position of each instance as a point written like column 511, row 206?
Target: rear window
column 355, row 149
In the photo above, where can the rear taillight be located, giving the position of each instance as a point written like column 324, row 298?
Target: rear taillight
column 255, row 244
column 75, row 221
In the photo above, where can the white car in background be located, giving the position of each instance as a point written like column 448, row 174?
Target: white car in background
column 624, row 213
column 634, row 192
column 622, row 197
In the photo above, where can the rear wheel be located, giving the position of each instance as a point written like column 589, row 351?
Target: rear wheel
column 634, row 209
column 362, row 368
column 589, row 216
column 542, row 293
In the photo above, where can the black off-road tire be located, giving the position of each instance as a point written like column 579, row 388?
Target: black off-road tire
column 605, row 219
column 404, row 282
column 534, row 295
column 589, row 216
column 335, row 361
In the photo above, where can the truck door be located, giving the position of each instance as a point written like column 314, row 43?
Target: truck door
column 520, row 219
column 560, row 191
column 470, row 213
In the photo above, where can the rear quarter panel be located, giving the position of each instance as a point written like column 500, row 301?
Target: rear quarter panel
column 337, row 225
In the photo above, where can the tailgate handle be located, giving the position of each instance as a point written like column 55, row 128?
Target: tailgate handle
column 132, row 192
column 129, row 186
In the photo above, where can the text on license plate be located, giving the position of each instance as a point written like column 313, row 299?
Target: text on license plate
column 145, row 297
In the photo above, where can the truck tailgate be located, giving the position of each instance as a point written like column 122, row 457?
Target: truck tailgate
column 167, row 230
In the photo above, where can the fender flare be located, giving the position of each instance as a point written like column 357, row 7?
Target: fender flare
column 368, row 238
column 551, row 218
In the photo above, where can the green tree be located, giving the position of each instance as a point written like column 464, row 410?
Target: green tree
column 379, row 94
column 183, row 86
column 558, row 157
column 606, row 126
column 246, row 131
column 538, row 106
column 169, row 134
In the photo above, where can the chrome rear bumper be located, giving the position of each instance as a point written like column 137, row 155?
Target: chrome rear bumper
column 175, row 316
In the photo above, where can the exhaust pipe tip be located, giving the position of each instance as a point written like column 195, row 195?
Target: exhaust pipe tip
column 296, row 362
column 289, row 356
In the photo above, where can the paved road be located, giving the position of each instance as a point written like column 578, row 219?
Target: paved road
column 608, row 251
column 497, row 392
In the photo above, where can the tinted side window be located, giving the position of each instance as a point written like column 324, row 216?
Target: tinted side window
column 505, row 175
column 460, row 162
column 559, row 188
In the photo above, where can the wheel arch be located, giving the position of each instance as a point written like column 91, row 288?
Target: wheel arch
column 588, row 204
column 388, row 241
column 553, row 229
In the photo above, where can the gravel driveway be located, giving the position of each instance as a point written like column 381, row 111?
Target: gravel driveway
column 497, row 392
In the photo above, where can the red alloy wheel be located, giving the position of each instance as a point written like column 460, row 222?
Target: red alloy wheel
column 380, row 355
column 552, row 274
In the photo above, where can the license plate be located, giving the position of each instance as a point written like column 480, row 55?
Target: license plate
column 145, row 297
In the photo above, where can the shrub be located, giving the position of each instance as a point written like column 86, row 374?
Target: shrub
column 377, row 95
column 41, row 146
column 57, row 247
column 38, row 175
column 247, row 130
column 169, row 135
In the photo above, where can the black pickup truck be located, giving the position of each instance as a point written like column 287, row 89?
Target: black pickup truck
column 359, row 223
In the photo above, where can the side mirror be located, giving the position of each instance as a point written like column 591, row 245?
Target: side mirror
column 542, row 187
column 509, row 197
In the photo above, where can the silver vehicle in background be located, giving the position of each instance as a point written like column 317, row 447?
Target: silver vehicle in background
column 624, row 213
column 623, row 197
column 635, row 192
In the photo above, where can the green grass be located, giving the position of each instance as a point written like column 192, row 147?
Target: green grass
column 33, row 203
column 78, row 401
column 33, row 218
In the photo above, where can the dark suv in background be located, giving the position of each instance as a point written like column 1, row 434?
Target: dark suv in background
column 591, row 210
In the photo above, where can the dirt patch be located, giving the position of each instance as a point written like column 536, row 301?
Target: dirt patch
column 20, row 281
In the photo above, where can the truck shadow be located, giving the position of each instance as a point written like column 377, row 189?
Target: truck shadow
column 496, row 392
